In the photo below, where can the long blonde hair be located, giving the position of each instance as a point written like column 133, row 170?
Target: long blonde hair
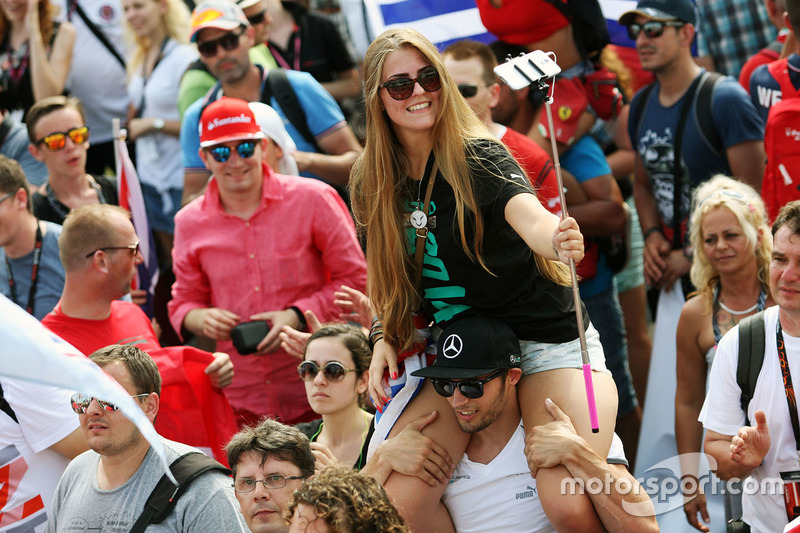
column 378, row 185
column 177, row 21
column 748, row 208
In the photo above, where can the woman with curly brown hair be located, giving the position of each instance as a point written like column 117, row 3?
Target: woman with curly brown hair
column 340, row 500
column 453, row 228
column 35, row 53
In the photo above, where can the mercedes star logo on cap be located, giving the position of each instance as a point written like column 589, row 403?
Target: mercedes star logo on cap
column 452, row 346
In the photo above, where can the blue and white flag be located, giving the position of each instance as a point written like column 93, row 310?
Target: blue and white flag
column 445, row 21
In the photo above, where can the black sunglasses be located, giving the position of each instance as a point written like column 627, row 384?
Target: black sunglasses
column 467, row 90
column 652, row 28
column 403, row 88
column 258, row 18
column 221, row 154
column 333, row 371
column 134, row 248
column 229, row 41
column 472, row 388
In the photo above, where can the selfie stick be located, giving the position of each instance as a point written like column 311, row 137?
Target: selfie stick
column 532, row 70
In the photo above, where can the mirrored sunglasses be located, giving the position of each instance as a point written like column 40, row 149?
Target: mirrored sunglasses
column 333, row 371
column 80, row 403
column 652, row 28
column 229, row 41
column 221, row 154
column 258, row 18
column 403, row 88
column 57, row 141
column 472, row 388
column 467, row 90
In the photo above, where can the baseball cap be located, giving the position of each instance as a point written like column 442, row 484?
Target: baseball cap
column 228, row 119
column 244, row 4
column 664, row 10
column 272, row 126
column 217, row 14
column 471, row 347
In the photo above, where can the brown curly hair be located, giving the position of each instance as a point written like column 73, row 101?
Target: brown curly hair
column 348, row 502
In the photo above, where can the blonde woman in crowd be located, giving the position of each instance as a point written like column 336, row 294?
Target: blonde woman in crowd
column 732, row 246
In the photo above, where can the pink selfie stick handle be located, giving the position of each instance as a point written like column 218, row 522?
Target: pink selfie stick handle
column 587, row 379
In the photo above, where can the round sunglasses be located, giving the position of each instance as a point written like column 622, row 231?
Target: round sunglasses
column 58, row 140
column 333, row 371
column 228, row 42
column 471, row 388
column 652, row 28
column 221, row 154
column 403, row 88
column 80, row 403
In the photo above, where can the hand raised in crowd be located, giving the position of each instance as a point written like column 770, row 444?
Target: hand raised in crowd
column 383, row 356
column 568, row 240
column 751, row 444
column 355, row 306
column 548, row 445
column 277, row 320
column 220, row 371
column 413, row 454
column 323, row 457
column 294, row 341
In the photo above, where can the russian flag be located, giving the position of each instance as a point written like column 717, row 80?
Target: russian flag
column 131, row 198
column 445, row 21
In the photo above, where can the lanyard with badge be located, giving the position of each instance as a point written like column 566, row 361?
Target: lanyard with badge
column 791, row 479
column 37, row 255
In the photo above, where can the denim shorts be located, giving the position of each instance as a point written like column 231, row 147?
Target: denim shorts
column 543, row 356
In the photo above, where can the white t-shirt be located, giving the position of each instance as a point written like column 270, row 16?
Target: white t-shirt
column 722, row 412
column 158, row 155
column 502, row 495
column 45, row 418
column 95, row 76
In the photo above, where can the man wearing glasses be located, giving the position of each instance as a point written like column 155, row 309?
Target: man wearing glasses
column 60, row 139
column 477, row 369
column 664, row 31
column 327, row 147
column 269, row 462
column 105, row 489
column 258, row 246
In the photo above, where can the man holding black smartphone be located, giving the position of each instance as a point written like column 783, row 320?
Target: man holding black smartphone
column 258, row 246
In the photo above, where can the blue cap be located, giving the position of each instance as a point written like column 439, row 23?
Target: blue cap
column 665, row 10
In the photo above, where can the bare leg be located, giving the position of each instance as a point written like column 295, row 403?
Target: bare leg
column 634, row 309
column 565, row 386
column 419, row 503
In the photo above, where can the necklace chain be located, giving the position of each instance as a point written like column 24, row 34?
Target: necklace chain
column 738, row 313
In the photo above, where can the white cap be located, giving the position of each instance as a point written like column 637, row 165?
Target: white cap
column 272, row 125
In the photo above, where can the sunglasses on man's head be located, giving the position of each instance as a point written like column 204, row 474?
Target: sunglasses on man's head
column 229, row 41
column 57, row 141
column 403, row 88
column 80, row 403
column 221, row 154
column 258, row 18
column 652, row 28
column 467, row 90
column 333, row 371
column 471, row 388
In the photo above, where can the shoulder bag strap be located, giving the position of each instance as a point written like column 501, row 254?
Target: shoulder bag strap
column 99, row 34
column 751, row 356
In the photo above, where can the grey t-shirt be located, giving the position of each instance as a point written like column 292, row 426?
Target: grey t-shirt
column 79, row 506
column 50, row 279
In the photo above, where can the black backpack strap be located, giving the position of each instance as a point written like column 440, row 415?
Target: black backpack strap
column 161, row 501
column 99, row 34
column 704, row 110
column 751, row 357
column 6, row 408
column 278, row 85
column 637, row 114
